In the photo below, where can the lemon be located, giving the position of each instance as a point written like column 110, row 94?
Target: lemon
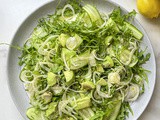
column 149, row 8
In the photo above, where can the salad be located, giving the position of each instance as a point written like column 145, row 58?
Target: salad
column 82, row 64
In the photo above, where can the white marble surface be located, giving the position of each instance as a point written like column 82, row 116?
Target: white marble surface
column 13, row 12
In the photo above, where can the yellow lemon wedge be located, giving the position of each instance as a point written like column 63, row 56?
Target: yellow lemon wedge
column 149, row 8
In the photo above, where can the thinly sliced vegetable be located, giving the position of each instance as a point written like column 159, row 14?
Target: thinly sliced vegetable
column 134, row 61
column 136, row 33
column 65, row 108
column 26, row 76
column 43, row 49
column 102, row 94
column 111, row 23
column 94, row 54
column 39, row 32
column 86, row 19
column 92, row 60
column 108, row 40
column 70, row 18
column 126, row 57
column 94, row 14
column 133, row 93
column 89, row 73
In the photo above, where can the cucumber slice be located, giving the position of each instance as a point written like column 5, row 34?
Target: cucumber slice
column 136, row 33
column 134, row 61
column 112, row 24
column 112, row 112
column 87, row 20
column 93, row 14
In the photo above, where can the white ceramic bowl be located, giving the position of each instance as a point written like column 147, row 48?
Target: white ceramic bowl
column 16, row 87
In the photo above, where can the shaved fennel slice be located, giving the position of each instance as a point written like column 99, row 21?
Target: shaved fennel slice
column 26, row 76
column 63, row 107
column 132, row 93
column 102, row 94
column 89, row 73
column 42, row 50
column 71, row 18
column 94, row 54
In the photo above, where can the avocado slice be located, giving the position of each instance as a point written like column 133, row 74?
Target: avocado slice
column 88, row 85
column 62, row 39
column 51, row 79
column 79, row 61
column 108, row 63
column 57, row 90
column 74, row 42
column 33, row 113
column 102, row 82
column 51, row 108
column 82, row 103
column 69, row 75
column 67, row 54
column 99, row 68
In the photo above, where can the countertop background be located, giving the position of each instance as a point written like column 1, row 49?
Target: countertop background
column 12, row 14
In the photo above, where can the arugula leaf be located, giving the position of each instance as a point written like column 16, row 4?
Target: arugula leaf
column 124, row 111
